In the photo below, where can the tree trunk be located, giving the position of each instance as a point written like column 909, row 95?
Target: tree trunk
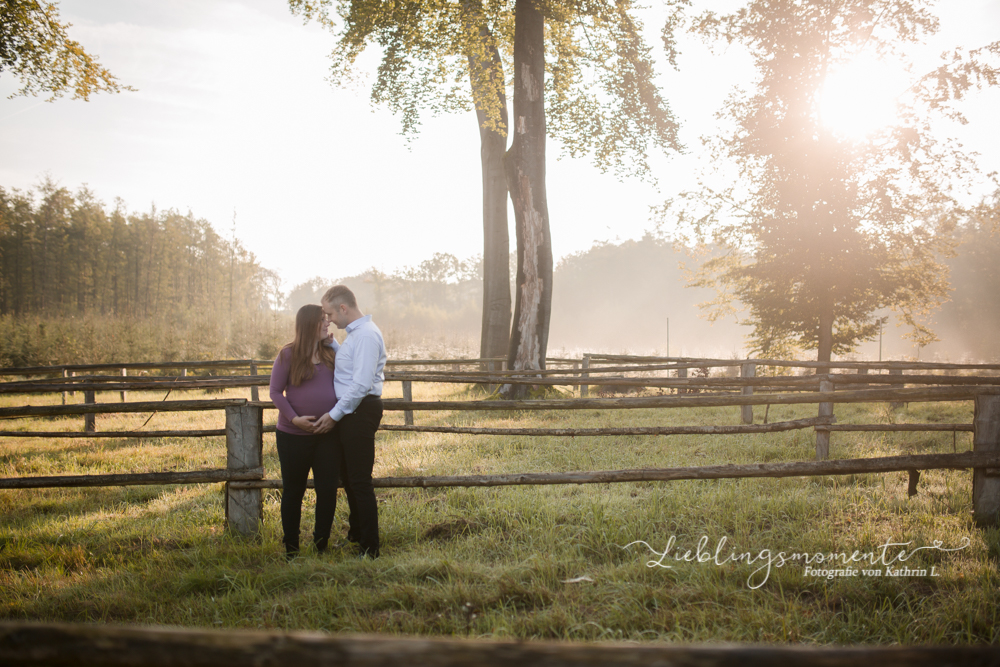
column 525, row 169
column 496, row 241
column 825, row 342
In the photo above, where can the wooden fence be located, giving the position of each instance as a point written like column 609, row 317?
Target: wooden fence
column 48, row 644
column 244, row 474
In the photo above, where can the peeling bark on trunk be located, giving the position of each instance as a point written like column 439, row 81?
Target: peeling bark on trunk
column 496, row 241
column 525, row 167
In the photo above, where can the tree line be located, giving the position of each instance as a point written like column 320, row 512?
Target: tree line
column 85, row 283
column 639, row 296
column 66, row 254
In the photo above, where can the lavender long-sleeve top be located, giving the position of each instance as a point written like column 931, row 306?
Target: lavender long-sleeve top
column 314, row 397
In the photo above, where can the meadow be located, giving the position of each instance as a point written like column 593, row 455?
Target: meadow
column 531, row 562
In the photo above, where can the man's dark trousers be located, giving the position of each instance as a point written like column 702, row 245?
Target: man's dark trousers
column 356, row 444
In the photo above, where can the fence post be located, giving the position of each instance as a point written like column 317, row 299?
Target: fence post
column 90, row 419
column 408, row 396
column 65, row 375
column 254, row 393
column 823, row 434
column 584, row 389
column 124, row 393
column 746, row 411
column 895, row 405
column 986, row 481
column 244, row 448
column 682, row 373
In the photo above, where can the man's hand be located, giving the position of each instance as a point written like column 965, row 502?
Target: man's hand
column 306, row 423
column 324, row 424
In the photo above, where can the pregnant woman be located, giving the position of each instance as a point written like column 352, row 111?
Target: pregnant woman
column 302, row 390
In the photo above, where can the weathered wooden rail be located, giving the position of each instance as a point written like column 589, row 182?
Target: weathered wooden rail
column 244, row 475
column 49, row 644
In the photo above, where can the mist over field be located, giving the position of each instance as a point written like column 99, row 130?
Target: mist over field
column 628, row 297
column 83, row 283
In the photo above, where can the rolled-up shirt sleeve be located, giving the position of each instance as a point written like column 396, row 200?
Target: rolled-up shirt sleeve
column 366, row 356
column 277, row 384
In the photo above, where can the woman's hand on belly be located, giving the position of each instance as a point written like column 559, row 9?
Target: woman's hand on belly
column 306, row 423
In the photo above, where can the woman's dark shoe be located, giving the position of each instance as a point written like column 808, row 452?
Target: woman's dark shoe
column 291, row 551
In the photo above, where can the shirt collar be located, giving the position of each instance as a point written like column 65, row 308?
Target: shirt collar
column 357, row 323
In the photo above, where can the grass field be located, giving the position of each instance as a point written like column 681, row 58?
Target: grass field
column 513, row 562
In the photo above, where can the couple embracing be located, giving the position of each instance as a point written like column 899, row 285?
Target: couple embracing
column 329, row 404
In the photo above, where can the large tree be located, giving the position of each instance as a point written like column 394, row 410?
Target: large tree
column 822, row 231
column 35, row 47
column 599, row 92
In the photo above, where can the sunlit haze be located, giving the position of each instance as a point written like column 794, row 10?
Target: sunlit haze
column 860, row 97
column 234, row 114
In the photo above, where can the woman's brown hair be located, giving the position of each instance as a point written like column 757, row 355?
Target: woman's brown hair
column 307, row 322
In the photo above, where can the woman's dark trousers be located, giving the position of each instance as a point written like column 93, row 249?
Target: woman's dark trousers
column 299, row 453
column 356, row 444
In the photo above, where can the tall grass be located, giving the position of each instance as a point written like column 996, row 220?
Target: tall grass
column 512, row 562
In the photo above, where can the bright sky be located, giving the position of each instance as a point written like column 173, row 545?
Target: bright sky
column 234, row 113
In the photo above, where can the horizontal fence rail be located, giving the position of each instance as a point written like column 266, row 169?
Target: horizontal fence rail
column 193, row 433
column 215, row 364
column 873, row 396
column 804, row 383
column 253, row 478
column 776, row 427
column 864, row 396
column 133, row 479
column 105, row 408
column 928, row 365
column 651, row 362
column 732, row 471
column 48, row 644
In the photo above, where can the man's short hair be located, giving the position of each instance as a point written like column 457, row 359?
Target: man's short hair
column 340, row 294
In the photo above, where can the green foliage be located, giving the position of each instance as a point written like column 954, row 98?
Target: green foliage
column 34, row 46
column 971, row 317
column 65, row 256
column 599, row 90
column 823, row 231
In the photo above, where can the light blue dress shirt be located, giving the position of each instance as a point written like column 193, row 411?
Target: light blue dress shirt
column 360, row 364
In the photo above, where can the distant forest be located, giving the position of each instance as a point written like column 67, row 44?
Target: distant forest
column 83, row 282
column 632, row 296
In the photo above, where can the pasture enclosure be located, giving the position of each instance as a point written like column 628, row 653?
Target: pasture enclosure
column 244, row 475
column 505, row 523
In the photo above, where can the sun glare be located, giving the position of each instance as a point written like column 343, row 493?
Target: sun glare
column 860, row 97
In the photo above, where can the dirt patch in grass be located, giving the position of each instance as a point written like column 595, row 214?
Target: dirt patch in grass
column 447, row 530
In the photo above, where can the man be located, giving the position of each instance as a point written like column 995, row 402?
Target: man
column 357, row 379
